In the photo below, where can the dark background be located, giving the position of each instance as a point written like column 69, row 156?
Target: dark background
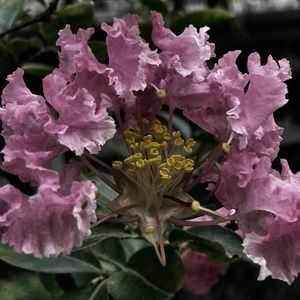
column 267, row 27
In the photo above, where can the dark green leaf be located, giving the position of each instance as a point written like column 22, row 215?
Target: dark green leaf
column 157, row 5
column 79, row 15
column 167, row 278
column 144, row 277
column 105, row 193
column 200, row 18
column 17, row 46
column 61, row 264
column 218, row 242
column 82, row 279
column 51, row 284
column 106, row 231
column 110, row 250
column 9, row 12
column 129, row 285
column 37, row 69
column 101, row 292
column 78, row 294
column 100, row 50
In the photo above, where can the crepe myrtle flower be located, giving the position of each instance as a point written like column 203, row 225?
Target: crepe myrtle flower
column 87, row 103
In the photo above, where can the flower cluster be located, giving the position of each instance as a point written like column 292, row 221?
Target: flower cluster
column 86, row 103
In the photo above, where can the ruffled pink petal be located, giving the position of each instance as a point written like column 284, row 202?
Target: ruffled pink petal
column 80, row 124
column 28, row 148
column 48, row 223
column 187, row 52
column 131, row 69
column 277, row 252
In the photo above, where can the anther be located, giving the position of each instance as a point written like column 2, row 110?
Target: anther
column 148, row 229
column 117, row 164
column 196, row 206
column 225, row 148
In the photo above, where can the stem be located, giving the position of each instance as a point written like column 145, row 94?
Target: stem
column 41, row 17
column 170, row 122
column 113, row 214
column 100, row 162
column 181, row 202
column 99, row 175
column 122, row 220
column 161, row 251
column 192, row 223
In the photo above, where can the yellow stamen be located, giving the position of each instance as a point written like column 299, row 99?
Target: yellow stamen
column 148, row 229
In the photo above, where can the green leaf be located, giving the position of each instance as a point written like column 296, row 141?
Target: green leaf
column 157, row 5
column 129, row 285
column 100, row 50
column 112, row 251
column 101, row 292
column 201, row 18
column 17, row 46
column 61, row 264
column 77, row 294
column 9, row 12
column 117, row 251
column 51, row 284
column 216, row 241
column 144, row 277
column 37, row 69
column 78, row 15
column 105, row 231
column 105, row 193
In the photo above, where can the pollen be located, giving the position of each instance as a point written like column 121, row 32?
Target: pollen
column 148, row 229
column 156, row 152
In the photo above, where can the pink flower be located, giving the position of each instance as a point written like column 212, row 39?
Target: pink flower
column 81, row 124
column 50, row 222
column 29, row 149
column 201, row 272
column 186, row 53
column 131, row 70
column 240, row 103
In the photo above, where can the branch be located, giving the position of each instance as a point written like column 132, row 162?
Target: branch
column 41, row 17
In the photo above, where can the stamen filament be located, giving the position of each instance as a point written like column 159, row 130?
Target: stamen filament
column 99, row 175
column 193, row 223
column 100, row 162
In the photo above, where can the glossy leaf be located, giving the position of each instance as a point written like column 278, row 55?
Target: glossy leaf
column 200, row 18
column 100, row 50
column 112, row 251
column 79, row 15
column 37, row 69
column 77, row 294
column 9, row 12
column 157, row 5
column 106, row 231
column 51, row 284
column 218, row 242
column 61, row 264
column 101, row 292
column 143, row 277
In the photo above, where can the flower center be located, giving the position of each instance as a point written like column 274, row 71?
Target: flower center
column 158, row 165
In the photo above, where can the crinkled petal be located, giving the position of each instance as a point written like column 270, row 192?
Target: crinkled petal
column 187, row 52
column 80, row 124
column 48, row 223
column 130, row 70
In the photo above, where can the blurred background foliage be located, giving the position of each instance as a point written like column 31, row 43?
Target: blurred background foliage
column 28, row 31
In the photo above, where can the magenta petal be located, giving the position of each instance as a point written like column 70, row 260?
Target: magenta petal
column 130, row 70
column 187, row 52
column 47, row 223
